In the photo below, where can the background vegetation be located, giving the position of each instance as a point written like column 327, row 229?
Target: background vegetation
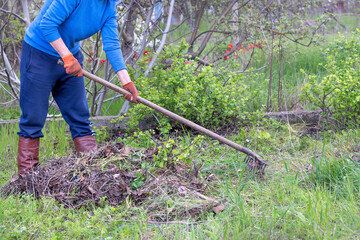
column 260, row 43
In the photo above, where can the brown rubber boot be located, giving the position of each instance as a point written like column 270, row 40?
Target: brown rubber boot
column 85, row 144
column 28, row 154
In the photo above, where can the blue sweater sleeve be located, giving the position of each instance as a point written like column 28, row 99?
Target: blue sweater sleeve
column 53, row 18
column 111, row 43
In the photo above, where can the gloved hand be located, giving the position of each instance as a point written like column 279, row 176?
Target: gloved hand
column 130, row 87
column 72, row 65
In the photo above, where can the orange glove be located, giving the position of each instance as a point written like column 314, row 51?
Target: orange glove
column 72, row 65
column 130, row 87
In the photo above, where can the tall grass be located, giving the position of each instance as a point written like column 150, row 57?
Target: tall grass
column 56, row 142
column 8, row 151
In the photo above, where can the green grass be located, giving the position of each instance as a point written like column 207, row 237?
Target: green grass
column 112, row 108
column 10, row 111
column 289, row 202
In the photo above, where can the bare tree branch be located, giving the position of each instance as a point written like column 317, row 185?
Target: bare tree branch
column 162, row 43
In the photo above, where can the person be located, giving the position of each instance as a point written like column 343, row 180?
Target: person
column 56, row 33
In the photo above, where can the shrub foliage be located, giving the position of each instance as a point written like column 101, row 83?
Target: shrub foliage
column 203, row 94
column 338, row 93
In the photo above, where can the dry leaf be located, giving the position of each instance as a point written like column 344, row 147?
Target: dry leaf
column 218, row 209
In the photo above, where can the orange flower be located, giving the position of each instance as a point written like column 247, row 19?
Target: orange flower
column 226, row 58
column 187, row 62
column 227, row 51
column 239, row 48
column 136, row 56
column 90, row 59
column 146, row 52
column 230, row 46
column 251, row 46
column 244, row 50
column 102, row 61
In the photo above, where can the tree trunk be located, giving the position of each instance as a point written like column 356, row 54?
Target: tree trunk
column 269, row 100
column 163, row 39
column 128, row 30
column 280, row 93
column 25, row 7
column 197, row 24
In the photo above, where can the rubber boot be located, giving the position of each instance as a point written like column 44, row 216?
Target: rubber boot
column 85, row 144
column 28, row 154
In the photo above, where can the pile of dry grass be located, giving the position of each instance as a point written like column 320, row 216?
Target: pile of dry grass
column 105, row 177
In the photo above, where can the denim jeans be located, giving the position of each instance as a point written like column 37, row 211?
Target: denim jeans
column 41, row 75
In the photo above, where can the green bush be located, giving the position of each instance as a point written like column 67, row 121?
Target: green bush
column 203, row 94
column 338, row 93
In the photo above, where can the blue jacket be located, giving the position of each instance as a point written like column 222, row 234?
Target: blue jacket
column 76, row 20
